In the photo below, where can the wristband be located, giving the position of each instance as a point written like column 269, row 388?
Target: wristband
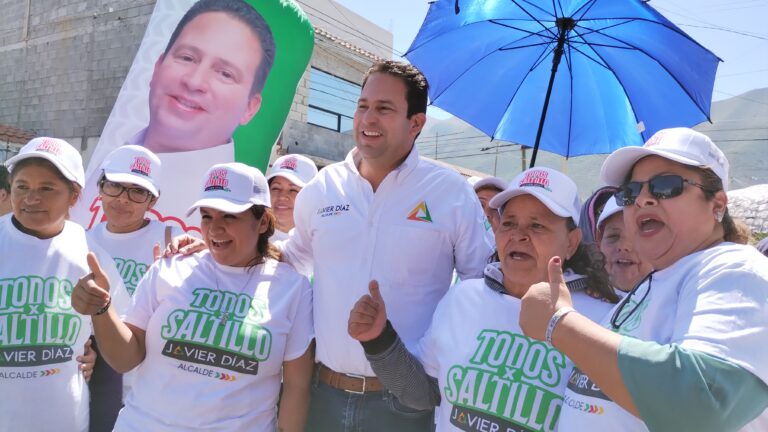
column 105, row 308
column 556, row 317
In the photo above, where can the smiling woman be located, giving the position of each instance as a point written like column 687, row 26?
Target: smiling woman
column 43, row 255
column 225, row 324
column 623, row 263
column 287, row 177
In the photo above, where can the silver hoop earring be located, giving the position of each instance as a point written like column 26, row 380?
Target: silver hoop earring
column 719, row 216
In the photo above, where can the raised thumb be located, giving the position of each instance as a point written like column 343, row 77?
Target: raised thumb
column 157, row 253
column 555, row 269
column 373, row 288
column 98, row 272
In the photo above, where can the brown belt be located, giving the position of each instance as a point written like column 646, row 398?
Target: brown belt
column 350, row 383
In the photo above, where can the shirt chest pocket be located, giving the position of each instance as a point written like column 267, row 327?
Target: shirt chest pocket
column 414, row 255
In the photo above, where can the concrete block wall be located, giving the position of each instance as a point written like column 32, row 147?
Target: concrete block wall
column 62, row 62
column 333, row 59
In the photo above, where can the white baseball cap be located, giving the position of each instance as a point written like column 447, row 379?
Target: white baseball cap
column 553, row 188
column 232, row 188
column 489, row 181
column 682, row 145
column 298, row 169
column 610, row 209
column 59, row 152
column 133, row 164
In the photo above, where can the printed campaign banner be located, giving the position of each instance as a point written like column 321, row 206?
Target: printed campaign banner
column 199, row 93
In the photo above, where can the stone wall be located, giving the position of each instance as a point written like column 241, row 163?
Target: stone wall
column 62, row 62
column 751, row 206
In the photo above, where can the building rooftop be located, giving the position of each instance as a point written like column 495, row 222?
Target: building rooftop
column 12, row 134
column 333, row 38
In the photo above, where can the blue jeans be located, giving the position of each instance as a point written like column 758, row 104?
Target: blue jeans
column 334, row 410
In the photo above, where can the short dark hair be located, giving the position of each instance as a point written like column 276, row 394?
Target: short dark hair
column 416, row 86
column 5, row 183
column 245, row 13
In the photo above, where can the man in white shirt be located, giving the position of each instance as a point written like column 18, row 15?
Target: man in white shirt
column 384, row 213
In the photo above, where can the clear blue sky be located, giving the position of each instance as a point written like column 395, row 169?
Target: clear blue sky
column 735, row 30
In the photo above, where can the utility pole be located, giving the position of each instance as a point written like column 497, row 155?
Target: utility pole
column 436, row 144
column 523, row 161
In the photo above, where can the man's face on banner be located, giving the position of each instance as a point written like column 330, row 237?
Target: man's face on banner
column 200, row 90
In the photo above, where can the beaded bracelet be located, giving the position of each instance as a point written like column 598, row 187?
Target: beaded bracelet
column 556, row 317
column 105, row 308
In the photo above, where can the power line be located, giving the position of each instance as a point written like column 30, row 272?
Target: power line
column 726, row 30
column 331, row 94
column 714, row 25
column 742, row 73
column 741, row 97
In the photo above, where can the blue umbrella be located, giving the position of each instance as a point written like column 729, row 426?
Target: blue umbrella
column 625, row 71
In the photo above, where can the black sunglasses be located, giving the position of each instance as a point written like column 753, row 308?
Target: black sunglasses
column 661, row 187
column 618, row 319
column 135, row 194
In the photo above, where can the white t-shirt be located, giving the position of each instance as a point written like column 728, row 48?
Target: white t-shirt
column 491, row 376
column 216, row 339
column 409, row 235
column 280, row 235
column 41, row 335
column 712, row 301
column 132, row 251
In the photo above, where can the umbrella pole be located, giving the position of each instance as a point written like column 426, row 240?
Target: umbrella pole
column 564, row 25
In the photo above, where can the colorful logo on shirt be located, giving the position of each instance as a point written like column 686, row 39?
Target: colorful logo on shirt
column 217, row 180
column 37, row 323
column 583, row 406
column 289, row 163
column 131, row 272
column 332, row 210
column 49, row 146
column 420, row 213
column 631, row 314
column 219, row 329
column 141, row 165
column 511, row 384
column 536, row 178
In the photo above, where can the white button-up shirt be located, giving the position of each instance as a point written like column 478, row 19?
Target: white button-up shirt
column 422, row 222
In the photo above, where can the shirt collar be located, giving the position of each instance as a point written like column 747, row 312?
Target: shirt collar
column 352, row 161
column 494, row 279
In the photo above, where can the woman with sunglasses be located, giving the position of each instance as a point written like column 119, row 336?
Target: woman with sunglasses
column 213, row 333
column 474, row 360
column 43, row 255
column 686, row 349
column 128, row 190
